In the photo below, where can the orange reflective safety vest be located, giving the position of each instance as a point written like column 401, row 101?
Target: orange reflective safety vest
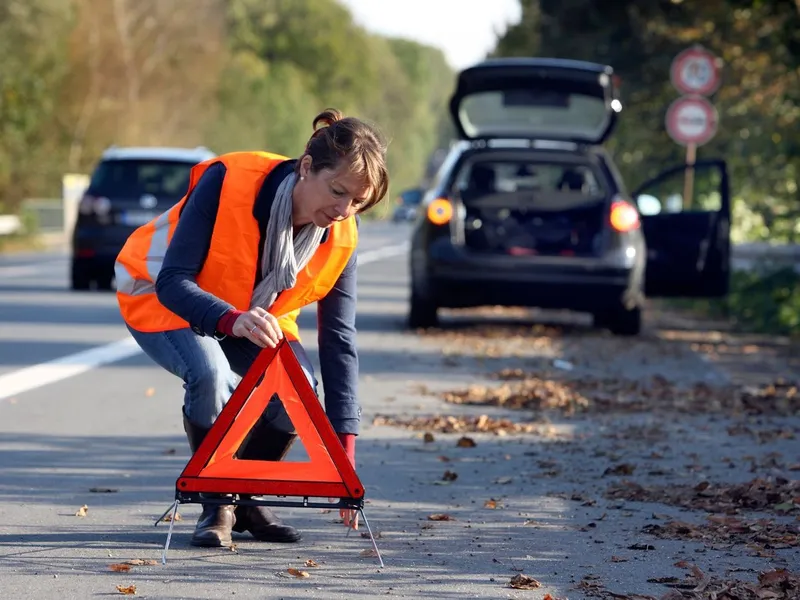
column 231, row 265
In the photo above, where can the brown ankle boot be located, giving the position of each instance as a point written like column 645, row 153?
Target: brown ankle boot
column 213, row 529
column 216, row 522
column 264, row 443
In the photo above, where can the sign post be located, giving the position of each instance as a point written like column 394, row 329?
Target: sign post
column 691, row 119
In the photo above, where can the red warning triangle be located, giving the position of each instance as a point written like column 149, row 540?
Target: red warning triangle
column 214, row 469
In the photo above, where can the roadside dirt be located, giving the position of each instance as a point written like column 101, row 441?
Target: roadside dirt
column 688, row 433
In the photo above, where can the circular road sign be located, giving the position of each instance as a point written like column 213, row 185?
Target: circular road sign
column 692, row 120
column 695, row 71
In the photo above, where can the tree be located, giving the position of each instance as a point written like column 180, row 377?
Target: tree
column 759, row 101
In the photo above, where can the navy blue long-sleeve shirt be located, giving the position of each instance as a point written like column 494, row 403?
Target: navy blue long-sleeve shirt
column 177, row 290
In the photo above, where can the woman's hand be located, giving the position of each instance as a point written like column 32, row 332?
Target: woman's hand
column 348, row 516
column 258, row 326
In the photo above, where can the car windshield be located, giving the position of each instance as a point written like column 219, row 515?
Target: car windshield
column 537, row 184
column 161, row 178
column 534, row 113
column 411, row 197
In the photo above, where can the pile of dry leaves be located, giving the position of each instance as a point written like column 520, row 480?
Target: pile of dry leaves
column 452, row 424
column 531, row 391
column 764, row 494
column 761, row 536
column 776, row 584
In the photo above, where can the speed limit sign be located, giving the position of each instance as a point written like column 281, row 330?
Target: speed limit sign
column 695, row 71
column 692, row 120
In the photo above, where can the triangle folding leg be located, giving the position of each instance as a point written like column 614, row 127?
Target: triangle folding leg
column 214, row 468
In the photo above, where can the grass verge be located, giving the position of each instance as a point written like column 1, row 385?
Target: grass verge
column 758, row 302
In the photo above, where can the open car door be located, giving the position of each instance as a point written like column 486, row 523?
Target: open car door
column 687, row 239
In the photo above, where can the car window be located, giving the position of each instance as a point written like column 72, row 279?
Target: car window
column 543, row 181
column 161, row 178
column 411, row 197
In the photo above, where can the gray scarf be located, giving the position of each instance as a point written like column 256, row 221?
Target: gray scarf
column 285, row 254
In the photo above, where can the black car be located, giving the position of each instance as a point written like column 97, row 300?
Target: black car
column 529, row 209
column 407, row 205
column 128, row 188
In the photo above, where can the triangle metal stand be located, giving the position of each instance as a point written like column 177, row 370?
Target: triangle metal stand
column 344, row 503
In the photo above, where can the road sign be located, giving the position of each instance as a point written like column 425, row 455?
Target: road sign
column 695, row 71
column 692, row 120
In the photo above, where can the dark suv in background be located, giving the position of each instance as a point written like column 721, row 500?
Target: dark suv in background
column 128, row 188
column 528, row 208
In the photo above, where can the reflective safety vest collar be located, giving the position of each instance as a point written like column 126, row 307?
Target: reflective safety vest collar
column 230, row 268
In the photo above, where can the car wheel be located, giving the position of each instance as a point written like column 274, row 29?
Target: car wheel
column 81, row 277
column 422, row 313
column 104, row 280
column 625, row 321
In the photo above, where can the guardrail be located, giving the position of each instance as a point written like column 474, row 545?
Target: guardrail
column 50, row 213
column 752, row 256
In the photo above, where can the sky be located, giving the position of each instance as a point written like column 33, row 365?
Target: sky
column 465, row 38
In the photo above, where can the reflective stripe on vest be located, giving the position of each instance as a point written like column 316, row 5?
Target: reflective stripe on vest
column 126, row 284
column 231, row 263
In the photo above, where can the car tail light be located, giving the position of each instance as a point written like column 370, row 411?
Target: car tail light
column 86, row 206
column 623, row 216
column 98, row 205
column 440, row 211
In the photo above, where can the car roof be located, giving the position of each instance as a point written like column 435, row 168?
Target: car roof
column 536, row 61
column 194, row 155
column 510, row 144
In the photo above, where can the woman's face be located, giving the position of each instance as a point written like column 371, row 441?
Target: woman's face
column 328, row 195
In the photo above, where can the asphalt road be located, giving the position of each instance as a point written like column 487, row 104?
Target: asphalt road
column 82, row 409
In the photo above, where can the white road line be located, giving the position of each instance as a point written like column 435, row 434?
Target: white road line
column 30, row 378
column 18, row 271
column 68, row 366
column 28, row 270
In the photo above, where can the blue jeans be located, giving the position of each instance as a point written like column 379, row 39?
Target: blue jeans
column 209, row 368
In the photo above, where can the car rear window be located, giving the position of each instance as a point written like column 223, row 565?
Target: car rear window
column 540, row 180
column 161, row 178
column 411, row 197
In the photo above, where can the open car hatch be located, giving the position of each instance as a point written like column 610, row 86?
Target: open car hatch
column 535, row 98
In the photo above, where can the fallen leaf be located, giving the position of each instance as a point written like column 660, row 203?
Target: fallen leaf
column 128, row 591
column 683, row 564
column 618, row 559
column 491, row 503
column 370, row 552
column 139, row 562
column 641, row 547
column 97, row 490
column 523, row 582
column 82, row 511
column 168, row 517
column 311, row 563
column 466, row 442
column 376, row 535
column 621, row 469
column 440, row 517
column 449, row 476
column 120, row 568
column 297, row 572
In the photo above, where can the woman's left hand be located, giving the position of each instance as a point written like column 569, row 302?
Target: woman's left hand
column 348, row 516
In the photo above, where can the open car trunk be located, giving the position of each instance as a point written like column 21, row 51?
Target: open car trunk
column 528, row 208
